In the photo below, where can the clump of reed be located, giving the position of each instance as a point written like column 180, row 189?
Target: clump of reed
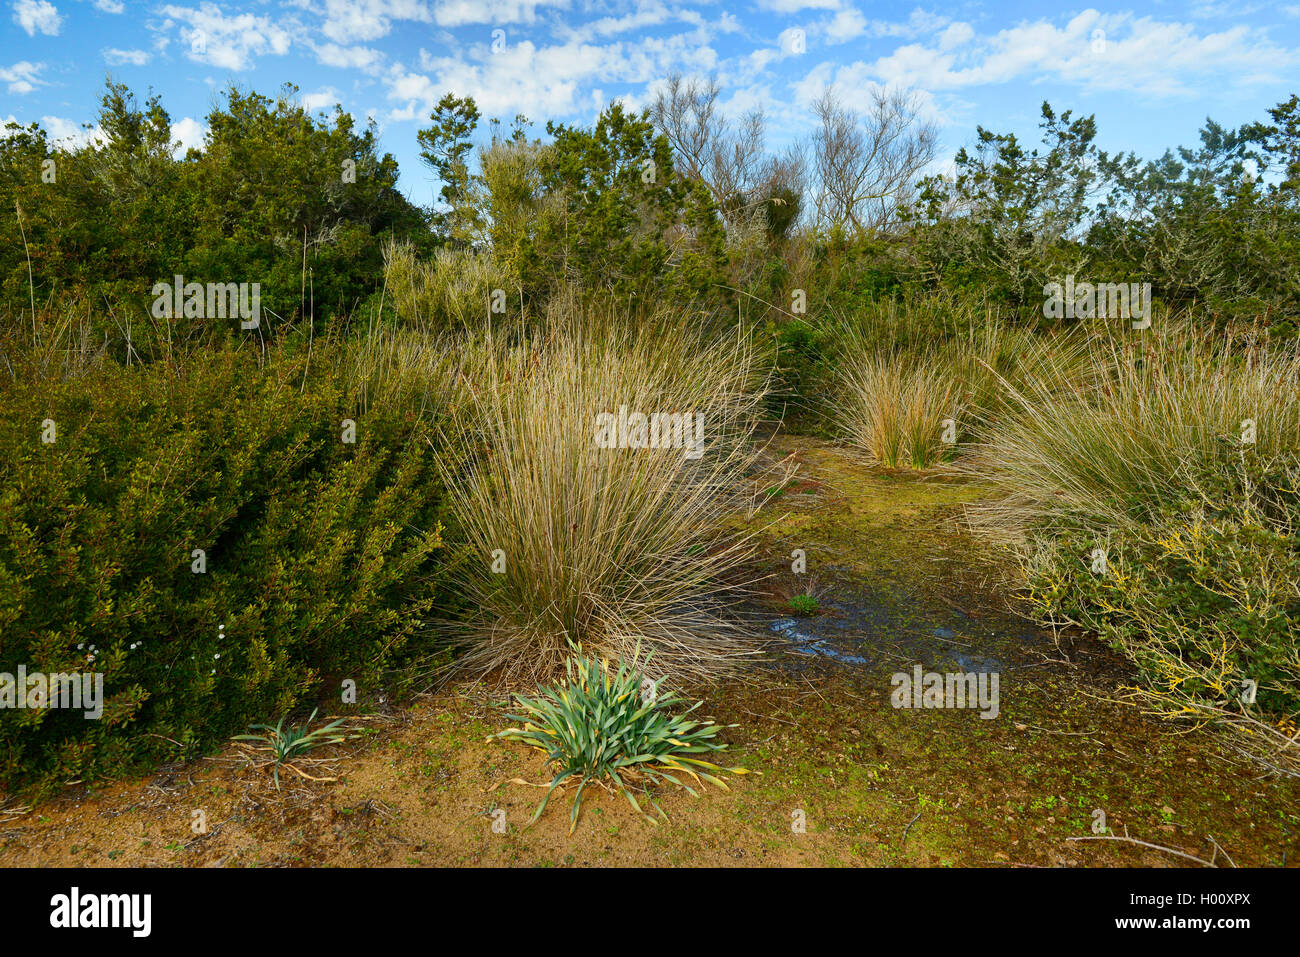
column 572, row 542
column 1155, row 501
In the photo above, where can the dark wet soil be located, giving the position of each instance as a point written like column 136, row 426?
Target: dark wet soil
column 900, row 584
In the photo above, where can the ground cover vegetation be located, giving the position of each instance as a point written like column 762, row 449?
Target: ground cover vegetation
column 415, row 452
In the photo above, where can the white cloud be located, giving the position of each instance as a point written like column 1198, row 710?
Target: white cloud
column 353, row 21
column 116, row 57
column 794, row 6
column 1140, row 55
column 320, row 100
column 1212, row 11
column 957, row 34
column 69, row 135
column 360, row 21
column 225, row 41
column 919, row 23
column 459, row 13
column 22, row 77
column 37, row 15
column 365, row 59
column 648, row 13
column 792, row 41
column 110, row 6
column 186, row 133
column 543, row 81
column 848, row 23
column 844, row 26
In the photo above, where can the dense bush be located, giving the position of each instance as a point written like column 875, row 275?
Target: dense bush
column 802, row 374
column 1206, row 606
column 1154, row 500
column 454, row 288
column 1212, row 228
column 597, row 209
column 1200, row 604
column 323, row 558
column 300, row 204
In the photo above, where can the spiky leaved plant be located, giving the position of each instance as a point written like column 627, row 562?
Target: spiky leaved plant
column 613, row 727
column 293, row 741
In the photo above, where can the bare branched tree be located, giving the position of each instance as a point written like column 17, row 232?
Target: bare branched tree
column 728, row 158
column 866, row 164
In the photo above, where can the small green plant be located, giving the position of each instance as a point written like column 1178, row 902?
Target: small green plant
column 607, row 726
column 294, row 741
column 804, row 604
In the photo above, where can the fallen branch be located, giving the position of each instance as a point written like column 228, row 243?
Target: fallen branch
column 1155, row 847
column 908, row 828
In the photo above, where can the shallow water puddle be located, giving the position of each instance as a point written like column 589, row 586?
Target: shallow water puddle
column 874, row 629
column 805, row 640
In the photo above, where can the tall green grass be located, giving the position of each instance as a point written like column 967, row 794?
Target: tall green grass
column 903, row 399
column 892, row 407
column 452, row 289
column 1139, row 428
column 1154, row 499
column 603, row 546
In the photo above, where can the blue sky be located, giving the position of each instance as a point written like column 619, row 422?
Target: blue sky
column 1151, row 72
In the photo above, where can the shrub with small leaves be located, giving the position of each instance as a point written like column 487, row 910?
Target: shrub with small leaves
column 804, row 604
column 200, row 535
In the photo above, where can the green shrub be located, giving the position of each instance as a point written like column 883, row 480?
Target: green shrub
column 452, row 289
column 298, row 203
column 322, row 558
column 804, row 604
column 1207, row 607
column 1199, row 604
column 801, row 377
column 892, row 407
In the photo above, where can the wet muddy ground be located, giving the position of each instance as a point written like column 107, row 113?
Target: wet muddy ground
column 846, row 778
